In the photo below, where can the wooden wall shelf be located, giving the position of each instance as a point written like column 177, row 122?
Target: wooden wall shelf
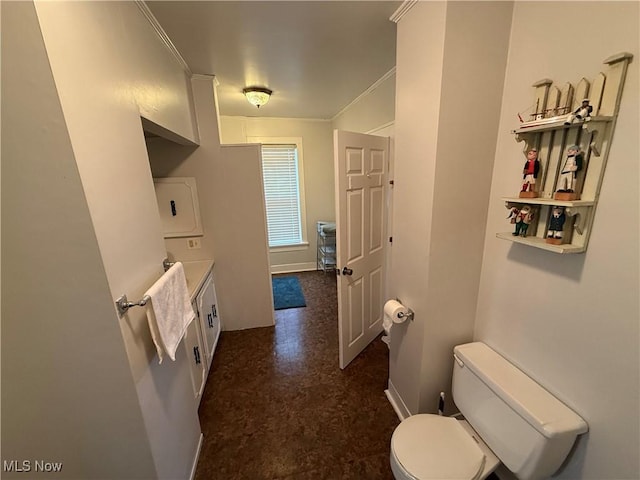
column 551, row 136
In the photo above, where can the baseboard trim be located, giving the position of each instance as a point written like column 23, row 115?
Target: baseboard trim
column 396, row 402
column 294, row 267
column 197, row 457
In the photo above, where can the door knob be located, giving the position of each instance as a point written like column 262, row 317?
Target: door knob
column 347, row 271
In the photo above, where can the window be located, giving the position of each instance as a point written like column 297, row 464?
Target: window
column 282, row 175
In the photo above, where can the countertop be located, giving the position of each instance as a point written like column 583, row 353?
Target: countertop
column 196, row 273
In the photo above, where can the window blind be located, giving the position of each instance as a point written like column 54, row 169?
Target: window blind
column 282, row 194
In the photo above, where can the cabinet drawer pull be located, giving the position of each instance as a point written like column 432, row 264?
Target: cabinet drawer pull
column 196, row 354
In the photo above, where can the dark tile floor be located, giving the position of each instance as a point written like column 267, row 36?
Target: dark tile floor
column 277, row 406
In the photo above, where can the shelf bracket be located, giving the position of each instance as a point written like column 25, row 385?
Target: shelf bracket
column 527, row 138
column 598, row 130
column 580, row 215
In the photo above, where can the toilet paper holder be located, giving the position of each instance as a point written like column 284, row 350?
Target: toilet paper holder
column 396, row 312
column 408, row 314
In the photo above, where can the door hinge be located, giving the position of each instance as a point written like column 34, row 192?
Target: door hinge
column 391, row 182
column 390, row 239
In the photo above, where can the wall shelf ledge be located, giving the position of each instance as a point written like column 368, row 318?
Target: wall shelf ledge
column 541, row 243
column 557, row 123
column 549, row 202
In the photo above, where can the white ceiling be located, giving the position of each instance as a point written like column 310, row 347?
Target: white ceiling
column 316, row 56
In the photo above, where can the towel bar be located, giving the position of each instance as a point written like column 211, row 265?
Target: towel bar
column 124, row 304
column 166, row 264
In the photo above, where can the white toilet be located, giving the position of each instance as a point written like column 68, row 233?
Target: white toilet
column 511, row 419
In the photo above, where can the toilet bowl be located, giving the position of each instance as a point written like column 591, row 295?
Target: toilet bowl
column 455, row 450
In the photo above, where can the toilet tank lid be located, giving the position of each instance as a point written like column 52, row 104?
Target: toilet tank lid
column 537, row 406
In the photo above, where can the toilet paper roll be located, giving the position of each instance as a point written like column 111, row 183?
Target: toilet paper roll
column 391, row 310
column 387, row 323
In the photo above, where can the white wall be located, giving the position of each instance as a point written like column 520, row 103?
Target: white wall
column 572, row 322
column 317, row 144
column 59, row 330
column 109, row 68
column 230, row 197
column 243, row 263
column 169, row 159
column 420, row 49
column 371, row 110
column 450, row 66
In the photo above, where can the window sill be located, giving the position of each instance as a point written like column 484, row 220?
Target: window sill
column 290, row 248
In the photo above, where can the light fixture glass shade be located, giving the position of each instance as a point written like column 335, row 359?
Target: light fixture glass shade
column 257, row 96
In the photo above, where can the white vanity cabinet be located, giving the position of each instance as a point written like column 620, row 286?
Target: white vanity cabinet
column 208, row 316
column 201, row 337
column 195, row 353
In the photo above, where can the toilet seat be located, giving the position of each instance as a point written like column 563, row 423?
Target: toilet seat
column 432, row 447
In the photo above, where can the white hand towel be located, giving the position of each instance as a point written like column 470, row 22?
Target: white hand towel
column 169, row 312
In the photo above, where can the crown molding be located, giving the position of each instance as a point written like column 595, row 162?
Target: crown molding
column 402, row 10
column 375, row 85
column 380, row 127
column 163, row 35
column 206, row 76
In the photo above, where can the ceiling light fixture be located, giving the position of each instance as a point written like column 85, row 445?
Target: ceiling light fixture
column 257, row 96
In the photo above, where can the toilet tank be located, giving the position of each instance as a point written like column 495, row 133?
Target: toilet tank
column 528, row 429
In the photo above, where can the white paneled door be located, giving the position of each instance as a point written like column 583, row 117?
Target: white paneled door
column 361, row 163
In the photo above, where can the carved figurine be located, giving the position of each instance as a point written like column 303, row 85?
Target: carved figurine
column 523, row 219
column 572, row 165
column 556, row 225
column 513, row 213
column 529, row 174
column 580, row 114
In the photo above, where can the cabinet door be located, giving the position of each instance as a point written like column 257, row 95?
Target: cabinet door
column 178, row 206
column 196, row 355
column 209, row 321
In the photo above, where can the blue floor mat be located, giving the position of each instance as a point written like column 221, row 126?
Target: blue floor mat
column 287, row 293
